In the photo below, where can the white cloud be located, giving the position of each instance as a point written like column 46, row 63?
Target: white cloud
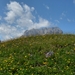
column 74, row 1
column 68, row 20
column 14, row 10
column 18, row 19
column 42, row 23
column 8, row 31
column 63, row 14
column 57, row 21
column 47, row 7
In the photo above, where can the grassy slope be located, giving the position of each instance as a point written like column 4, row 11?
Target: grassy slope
column 26, row 56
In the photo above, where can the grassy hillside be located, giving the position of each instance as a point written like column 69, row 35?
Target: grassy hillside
column 26, row 56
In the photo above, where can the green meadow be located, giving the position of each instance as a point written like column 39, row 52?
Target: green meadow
column 27, row 55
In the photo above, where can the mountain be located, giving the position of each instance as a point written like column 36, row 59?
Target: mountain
column 43, row 31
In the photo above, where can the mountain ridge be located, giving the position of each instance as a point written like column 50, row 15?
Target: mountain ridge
column 43, row 31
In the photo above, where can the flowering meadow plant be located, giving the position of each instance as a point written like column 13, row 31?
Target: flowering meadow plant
column 27, row 55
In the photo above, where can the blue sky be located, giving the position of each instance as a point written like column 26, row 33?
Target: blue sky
column 16, row 16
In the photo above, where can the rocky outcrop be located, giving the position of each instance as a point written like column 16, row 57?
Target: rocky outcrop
column 43, row 31
column 49, row 54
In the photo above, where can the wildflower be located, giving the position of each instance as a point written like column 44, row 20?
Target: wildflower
column 74, row 49
column 0, row 68
column 32, row 74
column 17, row 62
column 16, row 74
column 20, row 68
column 3, row 45
column 30, row 44
column 45, row 63
column 25, row 56
column 67, row 67
column 71, row 73
column 67, row 52
column 62, row 71
column 74, row 44
column 26, row 69
column 45, row 59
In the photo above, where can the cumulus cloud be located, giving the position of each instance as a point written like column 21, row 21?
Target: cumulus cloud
column 18, row 19
column 14, row 10
column 8, row 32
column 42, row 23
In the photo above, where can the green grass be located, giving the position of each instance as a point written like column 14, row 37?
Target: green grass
column 26, row 55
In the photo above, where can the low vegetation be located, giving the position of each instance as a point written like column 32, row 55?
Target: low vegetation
column 27, row 55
